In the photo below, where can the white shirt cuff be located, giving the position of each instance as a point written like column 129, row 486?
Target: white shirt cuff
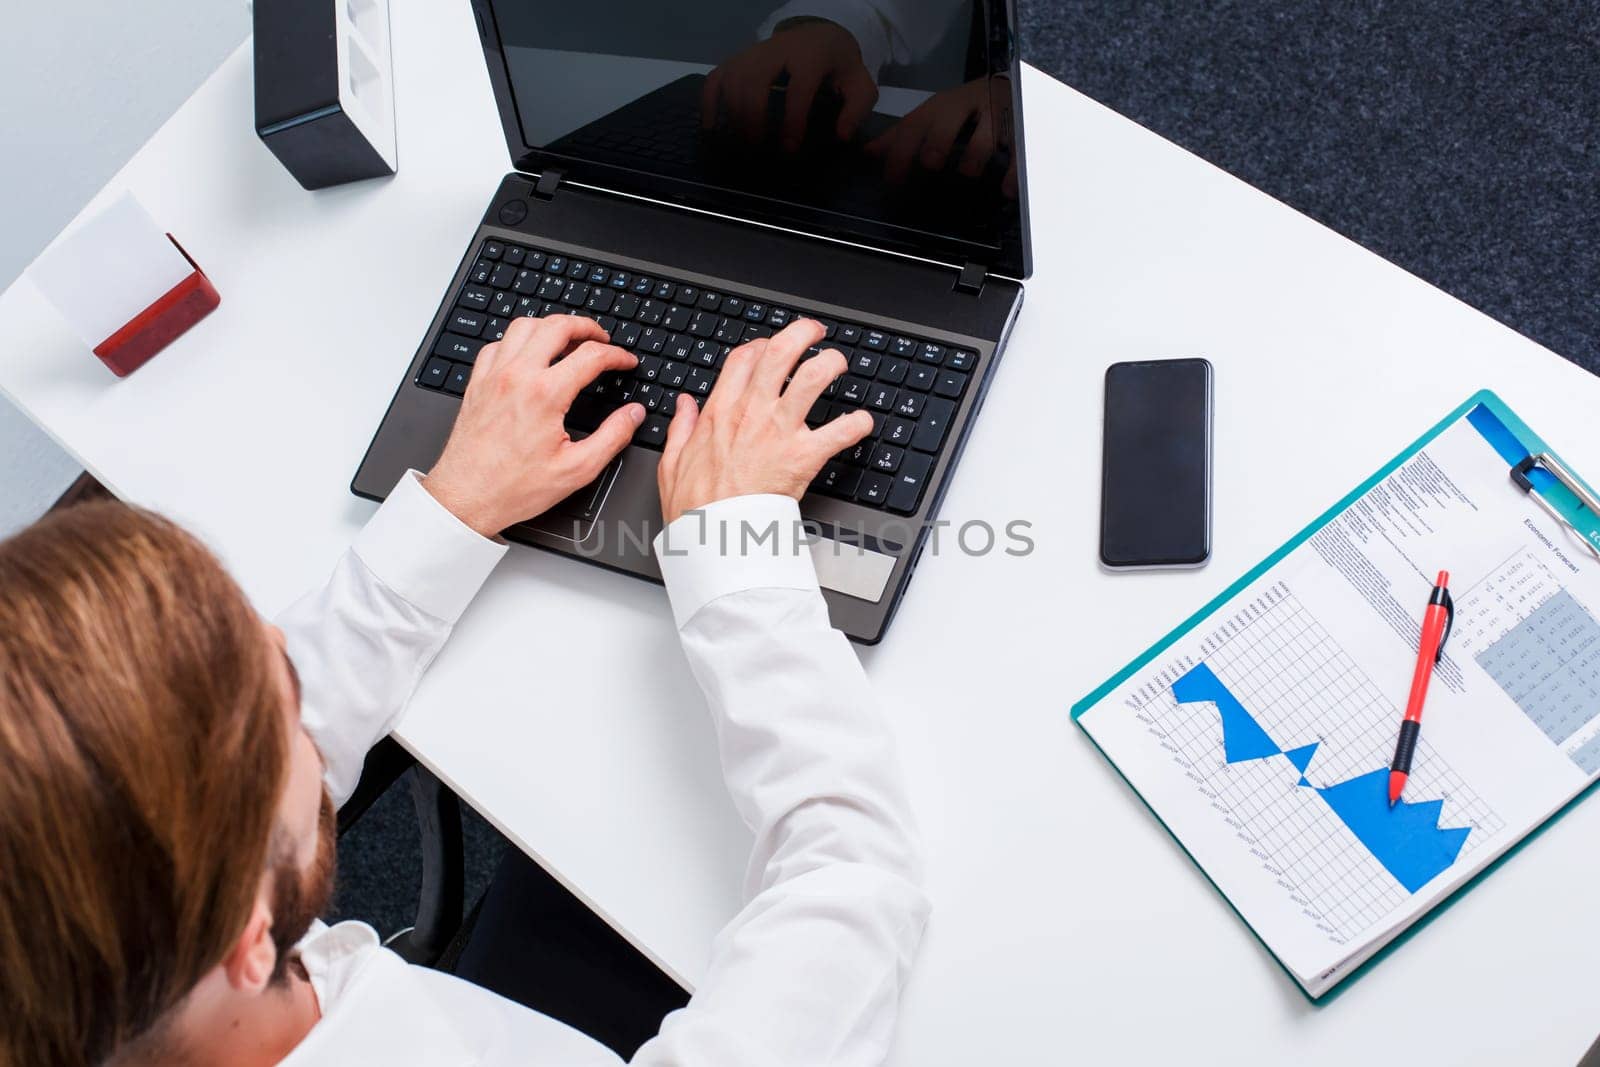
column 744, row 542
column 423, row 553
column 856, row 17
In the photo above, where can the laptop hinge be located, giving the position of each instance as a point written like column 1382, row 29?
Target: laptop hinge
column 549, row 179
column 972, row 278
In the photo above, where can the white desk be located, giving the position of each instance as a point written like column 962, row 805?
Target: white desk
column 1067, row 925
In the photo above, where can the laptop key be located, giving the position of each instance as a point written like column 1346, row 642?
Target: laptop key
column 475, row 297
column 886, row 458
column 921, row 378
column 862, row 362
column 699, row 381
column 643, row 286
column 909, row 482
column 672, row 375
column 909, row 404
column 904, row 347
column 467, row 323
column 876, row 340
column 650, row 312
column 710, row 301
column 495, row 329
column 652, row 432
column 649, row 368
column 435, row 373
column 492, row 249
column 880, row 397
column 676, row 318
column 704, row 324
column 874, row 489
column 678, row 347
column 481, row 272
column 627, row 334
column 533, row 260
column 893, row 370
column 625, row 306
column 950, row 384
column 600, row 300
column 551, row 288
column 837, row 479
column 514, row 255
column 504, row 305
column 933, row 425
column 847, row 334
column 932, row 353
column 454, row 346
column 527, row 281
column 898, row 431
column 852, row 390
column 575, row 293
column 502, row 277
column 460, row 374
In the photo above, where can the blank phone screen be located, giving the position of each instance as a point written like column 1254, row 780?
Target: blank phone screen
column 1155, row 509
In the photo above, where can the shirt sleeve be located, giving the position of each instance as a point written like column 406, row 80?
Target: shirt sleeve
column 361, row 642
column 810, row 970
column 897, row 31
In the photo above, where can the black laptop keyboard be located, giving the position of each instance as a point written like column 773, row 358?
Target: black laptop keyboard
column 682, row 334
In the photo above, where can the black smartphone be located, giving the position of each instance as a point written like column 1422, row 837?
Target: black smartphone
column 1155, row 484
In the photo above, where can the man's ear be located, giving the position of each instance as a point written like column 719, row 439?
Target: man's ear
column 248, row 965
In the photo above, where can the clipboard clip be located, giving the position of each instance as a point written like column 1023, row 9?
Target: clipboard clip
column 1557, row 470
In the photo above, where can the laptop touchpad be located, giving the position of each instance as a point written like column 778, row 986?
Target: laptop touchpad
column 573, row 518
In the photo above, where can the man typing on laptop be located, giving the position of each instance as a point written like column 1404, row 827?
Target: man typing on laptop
column 173, row 761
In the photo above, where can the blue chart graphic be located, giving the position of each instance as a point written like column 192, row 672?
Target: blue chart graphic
column 1406, row 839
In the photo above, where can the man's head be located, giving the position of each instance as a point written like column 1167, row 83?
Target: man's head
column 162, row 819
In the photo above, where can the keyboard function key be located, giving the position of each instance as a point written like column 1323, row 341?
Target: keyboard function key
column 514, row 255
column 461, row 349
column 909, row 482
column 467, row 323
column 492, row 249
column 460, row 375
column 435, row 373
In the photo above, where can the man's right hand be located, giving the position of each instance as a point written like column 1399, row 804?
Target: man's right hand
column 752, row 436
column 509, row 457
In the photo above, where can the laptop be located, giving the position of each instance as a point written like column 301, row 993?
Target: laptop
column 694, row 176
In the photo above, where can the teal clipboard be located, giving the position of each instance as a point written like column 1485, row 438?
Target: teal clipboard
column 1531, row 467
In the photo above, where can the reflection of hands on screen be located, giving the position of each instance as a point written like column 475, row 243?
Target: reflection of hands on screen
column 930, row 134
column 816, row 54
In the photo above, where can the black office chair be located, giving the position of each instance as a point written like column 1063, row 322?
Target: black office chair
column 442, row 896
column 546, row 950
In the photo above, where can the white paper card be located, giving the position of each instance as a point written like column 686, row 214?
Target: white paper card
column 109, row 269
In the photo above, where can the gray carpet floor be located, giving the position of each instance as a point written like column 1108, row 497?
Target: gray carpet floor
column 1459, row 139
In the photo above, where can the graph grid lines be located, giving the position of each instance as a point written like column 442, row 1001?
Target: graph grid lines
column 1303, row 688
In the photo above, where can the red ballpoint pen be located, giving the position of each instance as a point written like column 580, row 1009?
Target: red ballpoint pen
column 1436, row 623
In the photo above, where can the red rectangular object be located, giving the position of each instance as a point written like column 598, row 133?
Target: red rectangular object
column 161, row 323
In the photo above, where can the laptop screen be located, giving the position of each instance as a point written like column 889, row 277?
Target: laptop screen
column 890, row 123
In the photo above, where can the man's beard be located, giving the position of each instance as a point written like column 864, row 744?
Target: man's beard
column 299, row 898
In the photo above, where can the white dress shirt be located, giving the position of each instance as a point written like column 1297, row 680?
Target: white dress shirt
column 886, row 31
column 810, row 970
